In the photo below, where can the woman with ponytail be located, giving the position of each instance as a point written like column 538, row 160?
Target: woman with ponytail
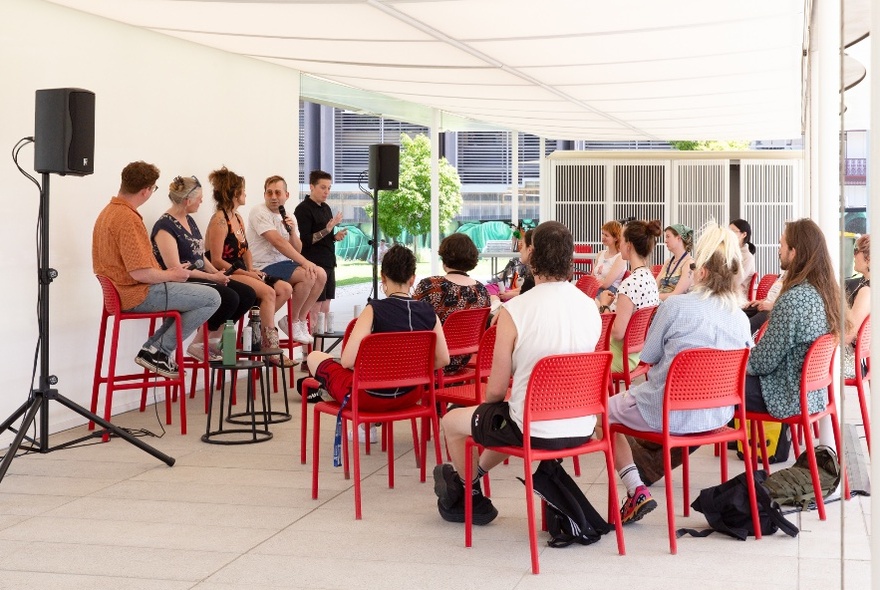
column 742, row 230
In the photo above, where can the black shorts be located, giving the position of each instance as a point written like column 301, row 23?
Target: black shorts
column 492, row 426
column 329, row 291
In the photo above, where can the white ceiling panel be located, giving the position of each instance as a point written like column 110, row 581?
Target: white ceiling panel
column 561, row 69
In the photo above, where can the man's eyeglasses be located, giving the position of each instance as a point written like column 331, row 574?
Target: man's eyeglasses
column 155, row 188
column 856, row 251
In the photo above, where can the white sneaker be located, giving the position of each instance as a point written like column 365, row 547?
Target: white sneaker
column 301, row 333
column 282, row 324
column 197, row 349
column 374, row 434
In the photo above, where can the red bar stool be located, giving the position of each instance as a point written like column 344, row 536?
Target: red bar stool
column 143, row 380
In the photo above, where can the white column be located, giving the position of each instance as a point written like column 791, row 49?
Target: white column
column 825, row 206
column 435, row 191
column 514, row 175
column 874, row 218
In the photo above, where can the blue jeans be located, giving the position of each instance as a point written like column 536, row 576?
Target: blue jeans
column 196, row 303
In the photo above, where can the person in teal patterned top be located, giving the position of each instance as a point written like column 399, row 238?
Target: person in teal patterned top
column 807, row 307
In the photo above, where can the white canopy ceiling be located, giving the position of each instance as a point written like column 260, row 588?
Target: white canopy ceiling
column 561, row 69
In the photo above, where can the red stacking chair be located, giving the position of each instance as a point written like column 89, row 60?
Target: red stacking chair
column 472, row 393
column 589, row 285
column 863, row 359
column 385, row 360
column 463, row 330
column 633, row 341
column 581, row 266
column 752, row 284
column 142, row 380
column 816, row 373
column 312, row 383
column 560, row 386
column 764, row 286
column 655, row 270
column 604, row 343
column 701, row 378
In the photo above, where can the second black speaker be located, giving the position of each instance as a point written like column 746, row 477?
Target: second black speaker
column 384, row 166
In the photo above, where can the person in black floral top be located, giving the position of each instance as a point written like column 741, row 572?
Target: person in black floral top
column 807, row 307
column 456, row 290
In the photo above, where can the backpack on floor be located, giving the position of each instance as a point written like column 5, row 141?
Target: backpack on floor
column 794, row 485
column 570, row 516
column 726, row 508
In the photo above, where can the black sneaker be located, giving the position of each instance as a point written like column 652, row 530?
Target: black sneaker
column 157, row 362
column 448, row 487
column 483, row 511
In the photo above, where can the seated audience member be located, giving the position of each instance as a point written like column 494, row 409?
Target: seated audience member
column 707, row 316
column 552, row 318
column 758, row 310
column 859, row 302
column 807, row 307
column 177, row 240
column 742, row 229
column 397, row 312
column 610, row 265
column 121, row 251
column 228, row 247
column 456, row 290
column 638, row 290
column 525, row 280
column 276, row 246
column 675, row 275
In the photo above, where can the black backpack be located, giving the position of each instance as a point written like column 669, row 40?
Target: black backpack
column 570, row 516
column 726, row 508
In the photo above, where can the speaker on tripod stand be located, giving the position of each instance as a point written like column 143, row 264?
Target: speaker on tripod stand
column 384, row 174
column 64, row 138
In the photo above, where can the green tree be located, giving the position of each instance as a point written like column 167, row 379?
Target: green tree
column 710, row 146
column 408, row 209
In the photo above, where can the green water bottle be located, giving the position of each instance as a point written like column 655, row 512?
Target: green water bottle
column 227, row 344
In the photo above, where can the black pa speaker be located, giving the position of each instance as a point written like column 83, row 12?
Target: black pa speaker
column 384, row 166
column 64, row 131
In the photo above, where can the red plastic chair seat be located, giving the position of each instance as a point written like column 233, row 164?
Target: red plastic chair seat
column 697, row 379
column 560, row 386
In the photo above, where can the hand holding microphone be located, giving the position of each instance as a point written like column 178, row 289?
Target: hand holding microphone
column 283, row 213
column 236, row 264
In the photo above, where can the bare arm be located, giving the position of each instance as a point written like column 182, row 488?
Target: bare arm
column 859, row 311
column 285, row 247
column 441, row 352
column 624, row 310
column 362, row 328
column 502, row 358
column 328, row 229
column 616, row 271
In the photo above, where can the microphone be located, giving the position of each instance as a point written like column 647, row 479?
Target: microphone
column 197, row 265
column 236, row 264
column 283, row 215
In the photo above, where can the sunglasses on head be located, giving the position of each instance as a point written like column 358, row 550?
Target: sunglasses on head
column 179, row 179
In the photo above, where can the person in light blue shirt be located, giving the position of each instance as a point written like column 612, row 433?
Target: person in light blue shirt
column 709, row 316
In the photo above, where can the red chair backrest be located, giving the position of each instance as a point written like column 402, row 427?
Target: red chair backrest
column 764, row 286
column 760, row 333
column 486, row 352
column 705, row 378
column 655, row 270
column 589, row 285
column 863, row 348
column 604, row 342
column 463, row 329
column 818, row 369
column 395, row 359
column 583, row 248
column 637, row 329
column 567, row 386
column 752, row 282
column 112, row 304
column 348, row 330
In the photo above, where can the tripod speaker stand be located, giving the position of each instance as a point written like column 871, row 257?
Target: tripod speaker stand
column 38, row 400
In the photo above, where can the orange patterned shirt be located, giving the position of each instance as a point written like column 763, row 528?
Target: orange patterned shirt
column 120, row 244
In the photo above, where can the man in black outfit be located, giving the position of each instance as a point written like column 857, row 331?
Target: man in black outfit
column 316, row 228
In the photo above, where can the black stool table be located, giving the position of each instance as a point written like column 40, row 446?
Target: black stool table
column 233, row 436
column 263, row 356
column 335, row 336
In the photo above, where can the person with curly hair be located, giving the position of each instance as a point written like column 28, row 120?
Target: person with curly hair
column 228, row 246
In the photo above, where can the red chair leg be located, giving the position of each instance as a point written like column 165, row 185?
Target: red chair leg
column 670, row 501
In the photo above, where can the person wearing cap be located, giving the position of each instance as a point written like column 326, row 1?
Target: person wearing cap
column 675, row 275
column 177, row 240
column 121, row 251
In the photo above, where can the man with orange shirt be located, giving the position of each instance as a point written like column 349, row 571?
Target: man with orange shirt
column 122, row 252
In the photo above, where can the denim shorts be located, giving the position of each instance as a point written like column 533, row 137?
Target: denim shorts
column 282, row 270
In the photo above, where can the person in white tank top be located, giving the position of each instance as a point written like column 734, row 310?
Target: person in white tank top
column 552, row 318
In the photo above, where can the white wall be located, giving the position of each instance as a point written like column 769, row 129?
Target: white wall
column 186, row 108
